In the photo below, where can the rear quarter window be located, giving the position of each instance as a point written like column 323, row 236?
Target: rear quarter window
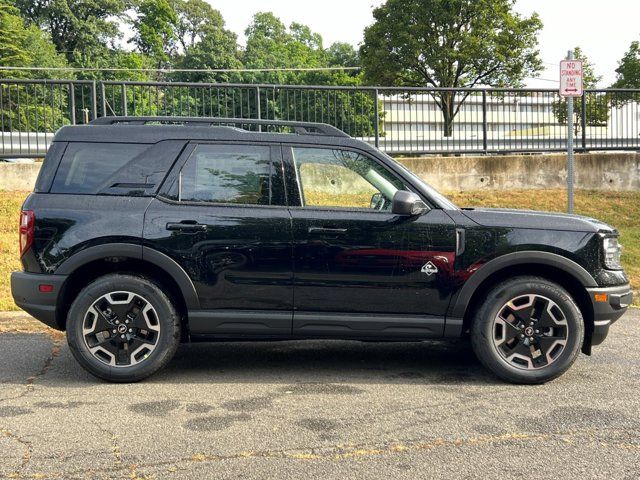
column 114, row 168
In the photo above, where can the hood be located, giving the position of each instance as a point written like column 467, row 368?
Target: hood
column 511, row 218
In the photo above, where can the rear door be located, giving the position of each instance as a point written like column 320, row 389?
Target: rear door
column 222, row 217
column 359, row 269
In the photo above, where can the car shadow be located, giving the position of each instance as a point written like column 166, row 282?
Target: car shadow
column 268, row 362
column 326, row 361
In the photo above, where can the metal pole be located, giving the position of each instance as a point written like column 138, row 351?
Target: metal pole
column 104, row 99
column 485, row 140
column 570, row 148
column 258, row 111
column 94, row 101
column 376, row 114
column 123, row 94
column 583, row 121
column 72, row 102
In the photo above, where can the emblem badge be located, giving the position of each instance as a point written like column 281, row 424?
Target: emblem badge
column 429, row 268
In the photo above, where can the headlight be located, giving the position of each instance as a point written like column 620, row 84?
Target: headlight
column 612, row 251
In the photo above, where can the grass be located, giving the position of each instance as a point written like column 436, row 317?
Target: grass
column 10, row 203
column 621, row 209
column 322, row 199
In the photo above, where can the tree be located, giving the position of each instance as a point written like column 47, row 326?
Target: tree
column 628, row 71
column 597, row 109
column 12, row 37
column 343, row 55
column 450, row 43
column 77, row 27
column 155, row 26
column 28, row 107
column 218, row 49
column 205, row 43
column 270, row 44
column 195, row 19
column 26, row 46
column 128, row 66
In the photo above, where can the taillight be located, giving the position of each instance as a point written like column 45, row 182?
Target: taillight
column 27, row 226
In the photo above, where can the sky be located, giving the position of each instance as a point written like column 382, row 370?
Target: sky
column 604, row 30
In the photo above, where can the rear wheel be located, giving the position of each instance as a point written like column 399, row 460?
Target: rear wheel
column 123, row 328
column 528, row 330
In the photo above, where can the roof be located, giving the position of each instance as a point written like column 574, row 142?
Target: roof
column 155, row 129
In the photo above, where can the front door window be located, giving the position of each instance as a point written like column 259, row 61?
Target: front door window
column 333, row 178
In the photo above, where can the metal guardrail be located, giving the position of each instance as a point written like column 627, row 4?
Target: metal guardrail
column 397, row 120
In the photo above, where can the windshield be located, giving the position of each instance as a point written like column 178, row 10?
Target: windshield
column 443, row 201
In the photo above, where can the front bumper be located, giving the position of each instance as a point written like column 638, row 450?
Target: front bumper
column 609, row 304
column 26, row 291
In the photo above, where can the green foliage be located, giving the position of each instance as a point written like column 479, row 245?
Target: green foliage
column 205, row 43
column 343, row 55
column 597, row 106
column 127, row 66
column 190, row 35
column 450, row 43
column 26, row 46
column 77, row 27
column 628, row 75
column 628, row 71
column 12, row 37
column 27, row 107
column 270, row 44
column 195, row 19
column 155, row 26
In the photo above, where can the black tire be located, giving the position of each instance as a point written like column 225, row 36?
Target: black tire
column 504, row 345
column 150, row 307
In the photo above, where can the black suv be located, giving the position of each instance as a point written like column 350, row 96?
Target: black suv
column 145, row 232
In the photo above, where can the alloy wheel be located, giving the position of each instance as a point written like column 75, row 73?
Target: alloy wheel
column 530, row 332
column 121, row 329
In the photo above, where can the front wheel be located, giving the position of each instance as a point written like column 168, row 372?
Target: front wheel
column 122, row 328
column 528, row 330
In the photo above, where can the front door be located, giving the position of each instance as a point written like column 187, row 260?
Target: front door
column 360, row 270
column 222, row 218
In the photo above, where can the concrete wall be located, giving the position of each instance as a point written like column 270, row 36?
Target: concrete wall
column 594, row 171
column 18, row 176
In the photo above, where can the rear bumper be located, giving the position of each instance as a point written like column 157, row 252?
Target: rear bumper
column 609, row 304
column 25, row 288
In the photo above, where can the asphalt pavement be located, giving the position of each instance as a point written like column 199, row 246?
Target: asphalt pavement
column 316, row 409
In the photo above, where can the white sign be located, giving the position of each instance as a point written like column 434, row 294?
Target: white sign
column 571, row 78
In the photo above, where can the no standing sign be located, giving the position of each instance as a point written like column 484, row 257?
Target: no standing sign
column 570, row 86
column 571, row 78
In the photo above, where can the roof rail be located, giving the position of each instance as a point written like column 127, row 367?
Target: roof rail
column 301, row 128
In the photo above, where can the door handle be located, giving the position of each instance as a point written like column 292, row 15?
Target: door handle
column 186, row 226
column 330, row 230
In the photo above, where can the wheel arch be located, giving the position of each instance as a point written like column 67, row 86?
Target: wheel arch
column 555, row 268
column 100, row 260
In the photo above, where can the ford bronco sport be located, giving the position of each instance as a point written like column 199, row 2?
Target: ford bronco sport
column 145, row 232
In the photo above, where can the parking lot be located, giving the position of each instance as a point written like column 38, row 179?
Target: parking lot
column 316, row 409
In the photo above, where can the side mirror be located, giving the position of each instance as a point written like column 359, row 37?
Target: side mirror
column 376, row 198
column 408, row 203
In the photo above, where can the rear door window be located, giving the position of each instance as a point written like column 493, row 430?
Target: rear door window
column 230, row 174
